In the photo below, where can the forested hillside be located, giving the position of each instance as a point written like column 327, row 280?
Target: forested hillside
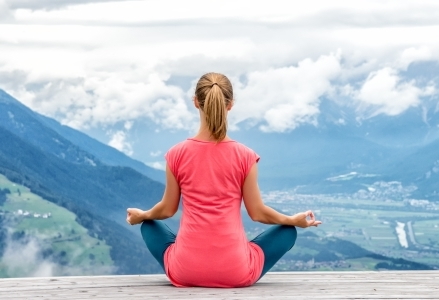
column 62, row 141
column 98, row 195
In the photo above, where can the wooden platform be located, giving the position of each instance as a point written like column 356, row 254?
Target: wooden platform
column 287, row 285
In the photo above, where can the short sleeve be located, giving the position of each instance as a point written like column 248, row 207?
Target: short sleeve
column 171, row 160
column 251, row 157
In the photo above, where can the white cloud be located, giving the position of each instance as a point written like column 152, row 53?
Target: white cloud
column 127, row 125
column 50, row 4
column 285, row 97
column 118, row 141
column 97, row 101
column 311, row 13
column 89, row 65
column 23, row 259
column 159, row 165
column 415, row 54
column 155, row 153
column 5, row 13
column 385, row 93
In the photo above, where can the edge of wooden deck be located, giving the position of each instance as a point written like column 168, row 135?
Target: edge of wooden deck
column 274, row 285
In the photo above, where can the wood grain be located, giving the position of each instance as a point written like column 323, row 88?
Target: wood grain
column 282, row 285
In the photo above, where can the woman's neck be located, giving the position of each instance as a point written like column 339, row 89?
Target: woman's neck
column 204, row 133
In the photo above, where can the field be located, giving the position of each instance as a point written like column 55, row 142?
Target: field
column 372, row 224
column 52, row 236
column 45, row 239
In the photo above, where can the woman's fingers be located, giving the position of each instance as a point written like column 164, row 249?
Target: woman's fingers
column 312, row 219
column 316, row 223
column 309, row 214
column 129, row 216
column 134, row 216
column 306, row 219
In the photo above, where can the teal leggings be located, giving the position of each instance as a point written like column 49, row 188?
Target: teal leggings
column 274, row 242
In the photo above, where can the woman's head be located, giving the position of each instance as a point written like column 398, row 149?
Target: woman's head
column 214, row 94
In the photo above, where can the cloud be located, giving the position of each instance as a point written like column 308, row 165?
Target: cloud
column 159, row 165
column 101, row 101
column 384, row 92
column 50, row 4
column 118, row 141
column 23, row 258
column 155, row 153
column 28, row 257
column 284, row 98
column 313, row 13
column 128, row 125
column 5, row 12
column 90, row 66
column 414, row 54
column 373, row 14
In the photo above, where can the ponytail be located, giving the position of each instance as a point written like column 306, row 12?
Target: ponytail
column 216, row 113
column 214, row 93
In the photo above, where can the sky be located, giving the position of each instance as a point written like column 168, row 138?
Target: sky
column 105, row 66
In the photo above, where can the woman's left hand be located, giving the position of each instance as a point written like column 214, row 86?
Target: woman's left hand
column 305, row 219
column 135, row 216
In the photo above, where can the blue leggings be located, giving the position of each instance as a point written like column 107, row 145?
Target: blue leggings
column 274, row 242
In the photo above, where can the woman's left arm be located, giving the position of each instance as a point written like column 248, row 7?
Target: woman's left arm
column 166, row 208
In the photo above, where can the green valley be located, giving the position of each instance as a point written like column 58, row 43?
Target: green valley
column 56, row 236
column 381, row 233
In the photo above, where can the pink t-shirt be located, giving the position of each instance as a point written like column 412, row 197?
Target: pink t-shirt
column 211, row 248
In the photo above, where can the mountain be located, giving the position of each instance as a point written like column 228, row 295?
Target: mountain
column 420, row 168
column 63, row 141
column 373, row 147
column 36, row 156
column 340, row 143
column 96, row 184
column 380, row 148
column 40, row 238
column 312, row 252
column 97, row 194
column 410, row 141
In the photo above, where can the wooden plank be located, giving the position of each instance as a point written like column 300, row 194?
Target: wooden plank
column 288, row 285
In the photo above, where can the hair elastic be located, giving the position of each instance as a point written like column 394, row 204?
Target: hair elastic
column 214, row 84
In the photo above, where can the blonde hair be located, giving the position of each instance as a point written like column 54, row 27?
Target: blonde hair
column 214, row 93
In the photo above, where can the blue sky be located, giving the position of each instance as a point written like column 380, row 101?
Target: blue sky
column 110, row 67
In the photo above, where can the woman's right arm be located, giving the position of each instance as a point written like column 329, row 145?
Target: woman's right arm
column 262, row 213
column 164, row 209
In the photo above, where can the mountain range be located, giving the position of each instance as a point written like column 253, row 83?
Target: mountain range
column 63, row 141
column 97, row 183
column 401, row 148
column 35, row 155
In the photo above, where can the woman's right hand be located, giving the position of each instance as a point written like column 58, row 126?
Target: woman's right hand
column 305, row 219
column 135, row 216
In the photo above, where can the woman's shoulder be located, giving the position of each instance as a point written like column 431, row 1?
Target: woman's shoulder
column 191, row 143
column 178, row 147
column 244, row 148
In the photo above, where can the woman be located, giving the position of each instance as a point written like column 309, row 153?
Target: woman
column 213, row 174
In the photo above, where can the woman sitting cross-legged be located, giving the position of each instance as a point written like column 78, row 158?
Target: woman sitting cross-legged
column 213, row 174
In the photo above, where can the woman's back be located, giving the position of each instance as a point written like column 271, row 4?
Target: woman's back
column 213, row 175
column 211, row 248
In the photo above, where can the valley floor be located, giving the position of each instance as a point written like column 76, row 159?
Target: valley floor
column 407, row 229
column 282, row 285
